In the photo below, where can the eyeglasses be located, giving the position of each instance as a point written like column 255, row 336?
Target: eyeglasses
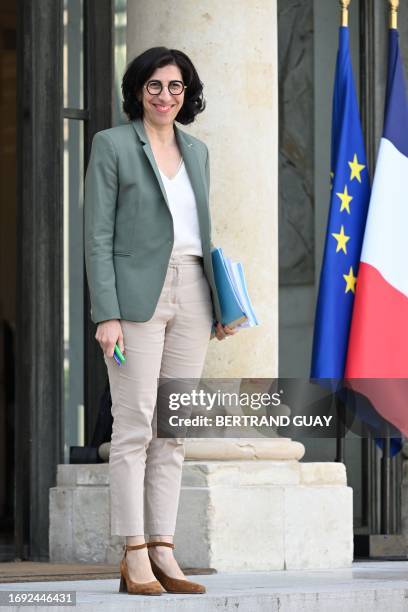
column 175, row 88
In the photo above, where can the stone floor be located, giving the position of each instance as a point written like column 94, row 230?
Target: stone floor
column 366, row 586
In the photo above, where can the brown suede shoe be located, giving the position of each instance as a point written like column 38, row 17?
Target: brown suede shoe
column 173, row 585
column 136, row 588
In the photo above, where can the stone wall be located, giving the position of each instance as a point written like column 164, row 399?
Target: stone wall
column 296, row 146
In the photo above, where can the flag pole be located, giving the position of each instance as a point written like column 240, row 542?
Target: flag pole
column 339, row 406
column 385, row 484
column 393, row 13
column 344, row 12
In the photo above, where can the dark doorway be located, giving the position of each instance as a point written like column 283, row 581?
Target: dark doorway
column 36, row 116
column 8, row 85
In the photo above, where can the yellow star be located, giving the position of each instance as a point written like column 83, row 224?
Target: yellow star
column 342, row 239
column 356, row 169
column 345, row 200
column 350, row 281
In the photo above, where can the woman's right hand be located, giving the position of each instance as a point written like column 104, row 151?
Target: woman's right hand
column 108, row 333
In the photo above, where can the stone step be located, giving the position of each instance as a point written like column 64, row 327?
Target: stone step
column 365, row 587
column 38, row 571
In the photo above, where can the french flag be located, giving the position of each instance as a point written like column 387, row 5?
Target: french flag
column 378, row 341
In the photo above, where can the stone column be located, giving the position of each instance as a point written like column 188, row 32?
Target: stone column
column 234, row 48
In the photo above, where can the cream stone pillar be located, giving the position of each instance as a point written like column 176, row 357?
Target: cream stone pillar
column 234, row 48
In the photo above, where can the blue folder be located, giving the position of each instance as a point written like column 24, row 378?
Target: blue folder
column 235, row 310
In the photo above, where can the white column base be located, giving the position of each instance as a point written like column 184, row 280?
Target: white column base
column 233, row 516
column 263, row 515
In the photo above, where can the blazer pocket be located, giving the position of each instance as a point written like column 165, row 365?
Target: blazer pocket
column 118, row 254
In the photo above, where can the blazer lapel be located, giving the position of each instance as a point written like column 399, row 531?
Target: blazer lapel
column 193, row 167
column 139, row 127
column 195, row 172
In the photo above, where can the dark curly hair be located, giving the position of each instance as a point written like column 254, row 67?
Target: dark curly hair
column 142, row 67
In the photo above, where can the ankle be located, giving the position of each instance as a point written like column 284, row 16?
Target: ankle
column 135, row 540
column 161, row 538
column 139, row 555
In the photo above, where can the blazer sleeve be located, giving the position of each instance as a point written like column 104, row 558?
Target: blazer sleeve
column 100, row 198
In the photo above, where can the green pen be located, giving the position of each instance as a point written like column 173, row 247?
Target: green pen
column 119, row 354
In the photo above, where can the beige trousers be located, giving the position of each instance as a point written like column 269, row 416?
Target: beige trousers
column 145, row 471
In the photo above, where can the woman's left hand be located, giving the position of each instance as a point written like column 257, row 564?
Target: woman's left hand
column 222, row 331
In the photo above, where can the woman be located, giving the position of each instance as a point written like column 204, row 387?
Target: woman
column 149, row 269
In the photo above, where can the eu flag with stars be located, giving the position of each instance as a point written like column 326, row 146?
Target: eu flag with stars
column 349, row 199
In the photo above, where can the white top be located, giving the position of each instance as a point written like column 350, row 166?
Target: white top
column 183, row 207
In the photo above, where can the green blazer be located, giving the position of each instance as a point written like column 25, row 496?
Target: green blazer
column 128, row 226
